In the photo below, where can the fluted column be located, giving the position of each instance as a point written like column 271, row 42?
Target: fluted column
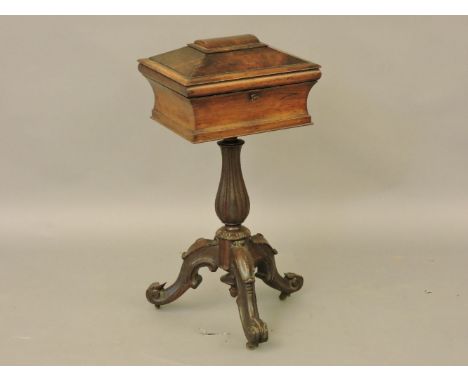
column 232, row 200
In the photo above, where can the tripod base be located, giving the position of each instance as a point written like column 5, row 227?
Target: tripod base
column 234, row 250
column 243, row 257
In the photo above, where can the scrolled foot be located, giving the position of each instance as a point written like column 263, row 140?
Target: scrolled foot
column 153, row 293
column 257, row 333
column 294, row 282
column 202, row 253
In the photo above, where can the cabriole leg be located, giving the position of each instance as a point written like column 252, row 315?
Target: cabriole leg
column 243, row 269
column 268, row 272
column 202, row 253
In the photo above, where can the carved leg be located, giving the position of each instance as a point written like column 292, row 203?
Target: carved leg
column 243, row 269
column 268, row 272
column 201, row 253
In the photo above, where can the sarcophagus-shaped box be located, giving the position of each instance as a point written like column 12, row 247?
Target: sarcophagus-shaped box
column 229, row 87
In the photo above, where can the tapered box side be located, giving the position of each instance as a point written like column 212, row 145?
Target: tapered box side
column 202, row 119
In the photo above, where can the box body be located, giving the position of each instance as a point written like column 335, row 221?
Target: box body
column 221, row 103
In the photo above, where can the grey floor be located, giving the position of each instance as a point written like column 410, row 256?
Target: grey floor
column 377, row 290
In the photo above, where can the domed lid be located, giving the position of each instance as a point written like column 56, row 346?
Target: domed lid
column 223, row 59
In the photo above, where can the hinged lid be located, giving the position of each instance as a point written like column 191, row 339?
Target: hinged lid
column 215, row 60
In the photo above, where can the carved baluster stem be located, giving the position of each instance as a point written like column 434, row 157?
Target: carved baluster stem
column 232, row 200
